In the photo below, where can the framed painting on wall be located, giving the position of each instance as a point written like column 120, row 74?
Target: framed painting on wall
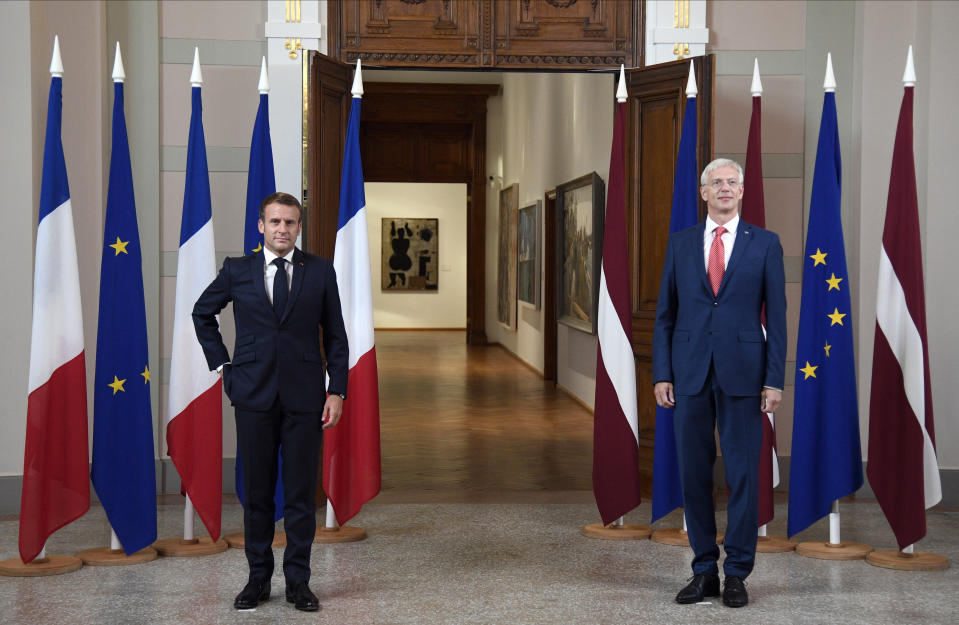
column 506, row 257
column 579, row 246
column 410, row 254
column 529, row 245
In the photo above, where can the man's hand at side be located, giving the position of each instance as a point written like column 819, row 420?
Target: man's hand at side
column 332, row 411
column 664, row 394
column 771, row 399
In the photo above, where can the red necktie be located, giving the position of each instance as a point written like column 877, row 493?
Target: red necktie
column 717, row 260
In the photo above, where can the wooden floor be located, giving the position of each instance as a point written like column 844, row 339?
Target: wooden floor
column 473, row 423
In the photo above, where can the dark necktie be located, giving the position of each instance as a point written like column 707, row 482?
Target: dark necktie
column 281, row 291
column 717, row 260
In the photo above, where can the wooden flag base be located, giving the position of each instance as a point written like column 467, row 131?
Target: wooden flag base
column 237, row 540
column 829, row 551
column 678, row 537
column 104, row 556
column 916, row 561
column 345, row 534
column 773, row 543
column 178, row 547
column 626, row 531
column 40, row 567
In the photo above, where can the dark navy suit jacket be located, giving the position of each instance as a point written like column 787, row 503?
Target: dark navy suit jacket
column 276, row 355
column 695, row 328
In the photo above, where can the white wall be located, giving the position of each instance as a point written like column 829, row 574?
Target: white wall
column 546, row 129
column 885, row 30
column 445, row 307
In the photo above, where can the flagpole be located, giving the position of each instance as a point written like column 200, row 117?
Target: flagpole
column 355, row 440
column 901, row 381
column 261, row 182
column 56, row 427
column 684, row 214
column 123, row 467
column 185, row 424
column 615, row 469
column 753, row 210
column 820, row 387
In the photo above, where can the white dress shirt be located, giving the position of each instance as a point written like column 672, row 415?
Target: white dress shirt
column 729, row 238
column 269, row 270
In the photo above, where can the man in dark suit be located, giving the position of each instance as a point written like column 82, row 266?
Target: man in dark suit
column 281, row 298
column 713, row 364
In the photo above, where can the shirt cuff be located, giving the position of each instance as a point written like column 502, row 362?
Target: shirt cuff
column 220, row 368
column 773, row 388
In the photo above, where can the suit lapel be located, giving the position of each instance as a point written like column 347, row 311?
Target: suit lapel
column 259, row 283
column 743, row 239
column 299, row 268
column 698, row 256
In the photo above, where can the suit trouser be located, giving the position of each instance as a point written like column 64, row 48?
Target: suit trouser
column 259, row 436
column 739, row 422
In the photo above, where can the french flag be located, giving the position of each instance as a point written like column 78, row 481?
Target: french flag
column 351, row 450
column 56, row 489
column 194, row 420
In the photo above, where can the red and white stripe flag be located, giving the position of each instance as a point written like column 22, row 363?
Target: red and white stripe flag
column 56, row 486
column 615, row 411
column 754, row 211
column 903, row 470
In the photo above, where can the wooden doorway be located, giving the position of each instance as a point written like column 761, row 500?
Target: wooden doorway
column 409, row 132
column 657, row 99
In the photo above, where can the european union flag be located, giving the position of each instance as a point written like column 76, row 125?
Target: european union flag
column 123, row 451
column 667, row 488
column 826, row 455
column 260, row 182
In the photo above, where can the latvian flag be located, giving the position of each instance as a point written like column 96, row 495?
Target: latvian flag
column 194, row 428
column 616, row 415
column 351, row 450
column 903, row 470
column 56, row 489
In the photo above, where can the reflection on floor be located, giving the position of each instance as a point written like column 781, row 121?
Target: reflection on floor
column 486, row 485
column 462, row 423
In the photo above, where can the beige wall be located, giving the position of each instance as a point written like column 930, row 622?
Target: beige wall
column 445, row 307
column 544, row 130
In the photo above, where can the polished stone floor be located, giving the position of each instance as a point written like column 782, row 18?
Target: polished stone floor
column 442, row 563
column 486, row 478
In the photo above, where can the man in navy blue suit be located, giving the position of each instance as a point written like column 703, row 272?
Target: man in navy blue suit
column 281, row 298
column 712, row 364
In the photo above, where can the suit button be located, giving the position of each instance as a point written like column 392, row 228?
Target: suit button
column 710, row 333
column 715, row 303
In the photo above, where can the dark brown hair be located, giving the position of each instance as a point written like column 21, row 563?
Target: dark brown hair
column 280, row 198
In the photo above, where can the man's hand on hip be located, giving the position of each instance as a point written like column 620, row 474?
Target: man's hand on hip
column 771, row 398
column 332, row 411
column 664, row 394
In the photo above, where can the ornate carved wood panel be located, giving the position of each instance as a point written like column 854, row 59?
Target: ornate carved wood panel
column 495, row 34
column 656, row 103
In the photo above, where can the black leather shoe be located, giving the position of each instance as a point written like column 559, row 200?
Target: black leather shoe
column 700, row 586
column 734, row 592
column 251, row 595
column 302, row 597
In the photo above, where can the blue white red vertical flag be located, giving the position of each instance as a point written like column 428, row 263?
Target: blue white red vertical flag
column 194, row 420
column 903, row 469
column 56, row 489
column 754, row 211
column 260, row 182
column 615, row 410
column 351, row 450
column 667, row 488
column 826, row 455
column 123, row 470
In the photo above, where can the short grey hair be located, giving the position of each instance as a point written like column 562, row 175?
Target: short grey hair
column 716, row 164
